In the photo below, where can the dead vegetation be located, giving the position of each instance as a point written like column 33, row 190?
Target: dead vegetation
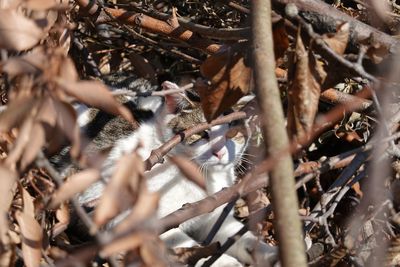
column 337, row 72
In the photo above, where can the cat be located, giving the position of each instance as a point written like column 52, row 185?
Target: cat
column 216, row 151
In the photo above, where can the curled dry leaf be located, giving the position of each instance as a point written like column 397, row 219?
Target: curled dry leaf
column 7, row 191
column 116, row 194
column 75, row 184
column 338, row 41
column 304, row 91
column 18, row 32
column 230, row 80
column 31, row 239
column 96, row 94
column 190, row 170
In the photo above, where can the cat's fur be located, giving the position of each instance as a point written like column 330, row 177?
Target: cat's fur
column 212, row 150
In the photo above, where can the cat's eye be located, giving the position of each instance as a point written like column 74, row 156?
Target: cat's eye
column 235, row 134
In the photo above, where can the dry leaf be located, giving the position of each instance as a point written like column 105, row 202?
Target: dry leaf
column 338, row 41
column 30, row 151
column 41, row 4
column 116, row 195
column 304, row 91
column 68, row 71
column 153, row 253
column 32, row 239
column 142, row 67
column 145, row 207
column 63, row 217
column 96, row 94
column 230, row 80
column 66, row 122
column 128, row 242
column 30, row 63
column 18, row 32
column 16, row 112
column 22, row 141
column 29, row 207
column 75, row 184
column 190, row 170
column 281, row 40
column 7, row 191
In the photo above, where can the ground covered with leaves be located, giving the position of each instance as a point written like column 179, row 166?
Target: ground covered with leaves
column 337, row 70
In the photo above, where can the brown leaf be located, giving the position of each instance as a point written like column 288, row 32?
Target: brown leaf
column 35, row 144
column 40, row 4
column 190, row 170
column 142, row 67
column 230, row 80
column 75, row 184
column 125, row 243
column 16, row 112
column 66, row 122
column 153, row 253
column 30, row 63
column 68, row 71
column 18, row 32
column 338, row 41
column 29, row 207
column 145, row 206
column 63, row 217
column 281, row 40
column 31, row 239
column 21, row 143
column 304, row 91
column 116, row 195
column 96, row 94
column 7, row 191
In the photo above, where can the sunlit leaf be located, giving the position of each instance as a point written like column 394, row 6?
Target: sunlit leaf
column 18, row 32
column 230, row 80
column 77, row 183
column 31, row 239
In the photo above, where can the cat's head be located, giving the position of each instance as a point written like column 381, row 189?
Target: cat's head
column 220, row 146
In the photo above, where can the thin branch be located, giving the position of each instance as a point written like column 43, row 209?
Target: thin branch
column 284, row 198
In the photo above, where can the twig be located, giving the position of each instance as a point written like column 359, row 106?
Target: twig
column 171, row 29
column 222, row 34
column 284, row 197
column 154, row 93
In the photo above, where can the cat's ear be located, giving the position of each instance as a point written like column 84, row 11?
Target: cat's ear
column 173, row 100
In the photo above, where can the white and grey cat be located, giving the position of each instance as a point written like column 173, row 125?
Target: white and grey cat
column 213, row 150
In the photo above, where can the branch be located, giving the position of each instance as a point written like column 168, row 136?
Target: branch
column 170, row 28
column 284, row 196
column 325, row 18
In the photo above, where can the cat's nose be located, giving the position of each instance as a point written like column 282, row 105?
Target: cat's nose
column 220, row 153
